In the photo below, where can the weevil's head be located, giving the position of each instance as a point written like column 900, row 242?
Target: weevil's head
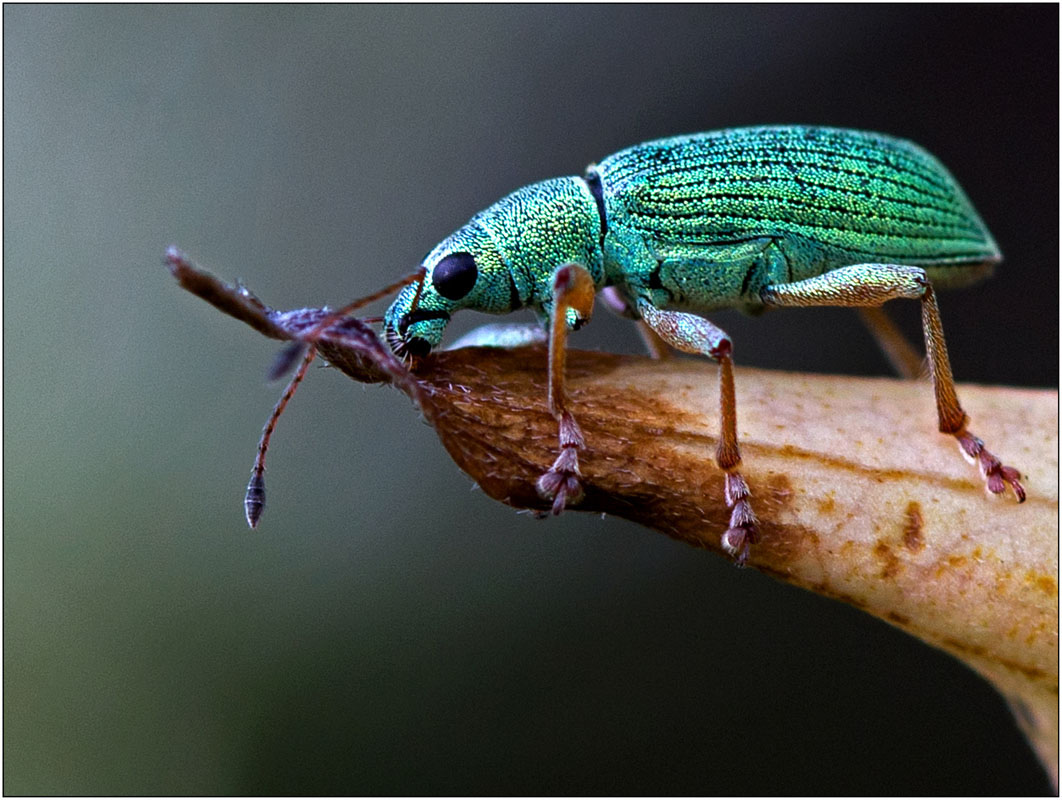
column 463, row 271
column 502, row 259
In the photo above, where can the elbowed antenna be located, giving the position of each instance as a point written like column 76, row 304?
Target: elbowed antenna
column 290, row 354
column 255, row 497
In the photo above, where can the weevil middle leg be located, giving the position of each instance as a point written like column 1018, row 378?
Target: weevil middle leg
column 692, row 334
column 873, row 285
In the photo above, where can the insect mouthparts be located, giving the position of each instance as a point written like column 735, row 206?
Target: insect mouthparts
column 394, row 341
column 401, row 346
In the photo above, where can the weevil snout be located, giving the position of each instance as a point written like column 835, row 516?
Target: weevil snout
column 463, row 271
column 414, row 323
column 411, row 335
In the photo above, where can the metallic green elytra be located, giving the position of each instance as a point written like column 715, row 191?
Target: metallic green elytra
column 704, row 222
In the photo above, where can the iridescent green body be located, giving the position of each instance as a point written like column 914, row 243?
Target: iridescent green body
column 704, row 222
column 748, row 218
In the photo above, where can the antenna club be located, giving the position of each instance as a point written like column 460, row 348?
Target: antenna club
column 254, row 500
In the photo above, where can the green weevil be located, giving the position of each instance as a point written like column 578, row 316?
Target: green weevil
column 748, row 218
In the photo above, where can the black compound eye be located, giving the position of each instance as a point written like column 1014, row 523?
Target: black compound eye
column 455, row 275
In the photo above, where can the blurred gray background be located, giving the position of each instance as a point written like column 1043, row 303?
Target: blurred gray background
column 388, row 629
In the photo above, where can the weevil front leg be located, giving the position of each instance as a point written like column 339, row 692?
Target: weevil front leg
column 693, row 334
column 874, row 284
column 573, row 289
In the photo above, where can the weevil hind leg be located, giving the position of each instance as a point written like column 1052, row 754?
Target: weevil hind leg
column 903, row 358
column 693, row 334
column 870, row 285
column 573, row 288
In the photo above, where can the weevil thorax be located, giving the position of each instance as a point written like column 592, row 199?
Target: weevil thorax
column 501, row 260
